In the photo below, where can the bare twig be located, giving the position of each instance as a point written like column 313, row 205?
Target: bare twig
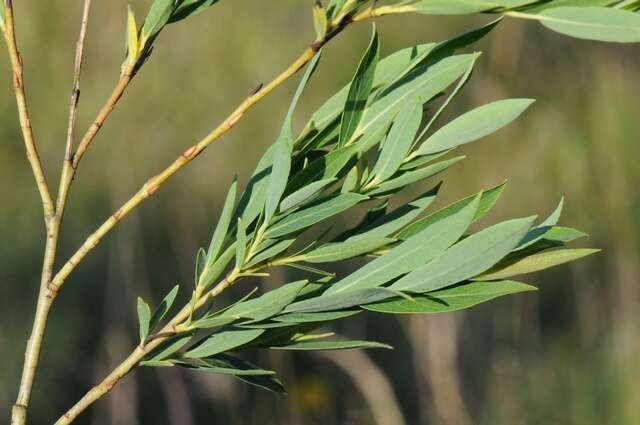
column 67, row 167
column 23, row 112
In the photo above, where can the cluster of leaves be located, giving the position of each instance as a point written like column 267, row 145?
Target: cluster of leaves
column 162, row 12
column 605, row 20
column 363, row 146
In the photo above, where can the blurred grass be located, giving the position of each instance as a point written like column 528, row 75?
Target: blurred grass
column 565, row 355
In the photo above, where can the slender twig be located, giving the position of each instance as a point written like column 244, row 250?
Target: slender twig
column 23, row 112
column 141, row 351
column 67, row 166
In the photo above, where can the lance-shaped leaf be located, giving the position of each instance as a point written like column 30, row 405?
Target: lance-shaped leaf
column 539, row 231
column 158, row 16
column 337, row 251
column 387, row 70
column 463, row 80
column 450, row 299
column 331, row 345
column 342, row 300
column 269, row 304
column 169, row 347
column 410, row 254
column 213, row 272
column 144, row 317
column 220, row 233
column 227, row 365
column 272, row 252
column 305, row 193
column 163, row 307
column 593, row 23
column 132, row 35
column 223, row 341
column 359, row 90
column 281, row 166
column 467, row 258
column 451, row 7
column 241, row 244
column 326, row 167
column 304, row 218
column 488, row 199
column 398, row 142
column 392, row 222
column 413, row 176
column 266, row 382
column 534, row 263
column 315, row 317
column 252, row 200
column 190, row 7
column 474, row 125
column 421, row 84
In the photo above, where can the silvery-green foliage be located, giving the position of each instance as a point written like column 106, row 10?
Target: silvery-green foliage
column 377, row 136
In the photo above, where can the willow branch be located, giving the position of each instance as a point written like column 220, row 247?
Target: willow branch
column 23, row 112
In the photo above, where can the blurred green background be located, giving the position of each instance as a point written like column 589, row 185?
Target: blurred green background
column 565, row 355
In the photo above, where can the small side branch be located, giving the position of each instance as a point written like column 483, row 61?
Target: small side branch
column 67, row 167
column 23, row 112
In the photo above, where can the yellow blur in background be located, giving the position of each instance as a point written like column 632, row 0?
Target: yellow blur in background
column 564, row 355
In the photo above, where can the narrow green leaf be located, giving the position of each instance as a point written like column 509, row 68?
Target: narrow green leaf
column 593, row 23
column 359, row 90
column 269, row 304
column 266, row 382
column 451, row 7
column 187, row 8
column 326, row 167
column 422, row 83
column 168, row 347
column 305, row 193
column 341, row 300
column 315, row 317
column 214, row 271
column 228, row 365
column 271, row 252
column 474, row 125
column 156, row 19
column 338, row 251
column 283, row 147
column 387, row 70
column 304, row 218
column 164, row 307
column 398, row 142
column 332, row 345
column 410, row 254
column 467, row 258
column 222, row 341
column 144, row 317
column 463, row 80
column 392, row 222
column 413, row 176
column 539, row 231
column 450, row 299
column 241, row 244
column 220, row 233
column 534, row 263
column 487, row 200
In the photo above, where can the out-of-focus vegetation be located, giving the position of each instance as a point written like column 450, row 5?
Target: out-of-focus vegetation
column 563, row 355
